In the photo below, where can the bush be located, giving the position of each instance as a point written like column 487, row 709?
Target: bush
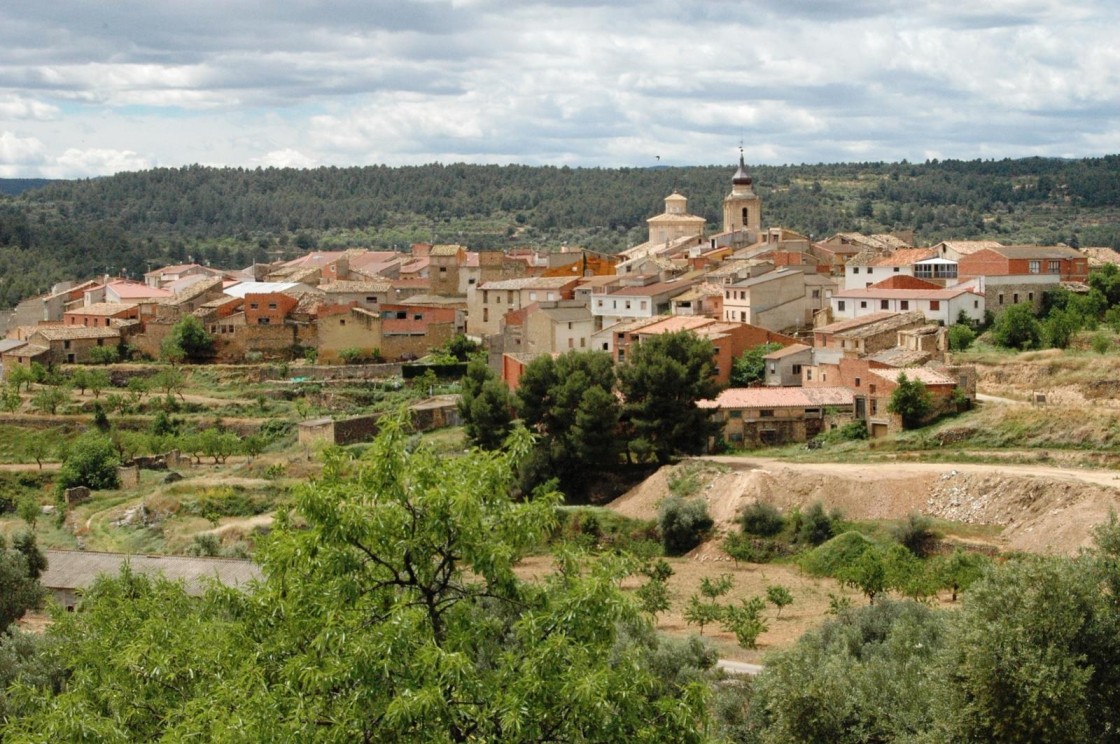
column 761, row 519
column 960, row 337
column 814, row 526
column 831, row 557
column 917, row 535
column 683, row 524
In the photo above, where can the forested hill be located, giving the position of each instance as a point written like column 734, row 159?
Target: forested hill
column 14, row 186
column 231, row 216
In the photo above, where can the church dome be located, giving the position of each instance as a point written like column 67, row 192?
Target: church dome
column 741, row 177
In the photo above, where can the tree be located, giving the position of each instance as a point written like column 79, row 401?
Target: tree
column 745, row 621
column 653, row 596
column 20, row 589
column 868, row 573
column 911, row 400
column 169, row 379
column 390, row 612
column 762, row 519
column 702, row 612
column 187, row 341
column 569, row 403
column 38, row 446
column 960, row 570
column 486, row 406
column 91, row 461
column 661, row 382
column 1017, row 328
column 19, row 375
column 10, row 399
column 48, row 399
column 960, row 337
column 104, row 355
column 97, row 380
column 750, row 367
column 779, row 596
column 491, row 417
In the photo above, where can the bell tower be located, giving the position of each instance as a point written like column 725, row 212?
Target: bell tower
column 742, row 209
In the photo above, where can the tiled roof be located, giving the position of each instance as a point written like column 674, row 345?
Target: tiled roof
column 77, row 569
column 445, row 250
column 136, row 290
column 529, row 282
column 675, row 323
column 1037, row 251
column 849, row 323
column 890, row 240
column 788, row 351
column 780, row 397
column 904, row 281
column 103, row 308
column 344, row 287
column 652, row 290
column 904, row 257
column 967, row 247
column 70, row 333
column 921, row 374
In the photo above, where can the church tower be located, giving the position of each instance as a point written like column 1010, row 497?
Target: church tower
column 742, row 209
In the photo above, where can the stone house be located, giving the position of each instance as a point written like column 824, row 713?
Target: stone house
column 492, row 300
column 767, row 416
column 783, row 367
column 72, row 344
column 776, row 300
column 867, row 334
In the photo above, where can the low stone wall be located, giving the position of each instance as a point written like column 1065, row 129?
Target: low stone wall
column 333, row 372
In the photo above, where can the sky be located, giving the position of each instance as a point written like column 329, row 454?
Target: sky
column 95, row 87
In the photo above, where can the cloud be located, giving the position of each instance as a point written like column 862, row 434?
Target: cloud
column 580, row 82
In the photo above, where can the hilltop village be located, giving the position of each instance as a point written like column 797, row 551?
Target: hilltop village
column 848, row 314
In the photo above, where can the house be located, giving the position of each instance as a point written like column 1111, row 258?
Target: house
column 782, row 368
column 268, row 308
column 69, row 573
column 729, row 340
column 124, row 291
column 866, row 334
column 1010, row 275
column 955, row 250
column 368, row 293
column 558, row 327
column 395, row 331
column 71, row 344
column 873, row 383
column 768, row 416
column 906, row 294
column 638, row 297
column 705, row 299
column 492, row 300
column 868, row 267
column 160, row 278
column 100, row 314
column 775, row 300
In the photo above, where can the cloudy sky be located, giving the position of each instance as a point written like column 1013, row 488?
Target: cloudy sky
column 94, row 87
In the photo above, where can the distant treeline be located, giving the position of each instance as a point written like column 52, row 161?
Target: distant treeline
column 232, row 216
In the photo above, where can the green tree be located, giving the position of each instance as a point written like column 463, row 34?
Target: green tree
column 491, row 415
column 187, row 341
column 750, row 367
column 745, row 621
column 91, row 461
column 97, row 380
column 661, row 382
column 868, row 573
column 779, row 596
column 959, row 570
column 960, row 337
column 911, row 400
column 170, row 379
column 48, row 399
column 1017, row 328
column 20, row 589
column 391, row 612
column 104, row 355
column 10, row 399
column 19, row 375
column 569, row 403
column 38, row 446
column 702, row 612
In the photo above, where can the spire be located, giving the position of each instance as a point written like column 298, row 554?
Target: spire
column 741, row 177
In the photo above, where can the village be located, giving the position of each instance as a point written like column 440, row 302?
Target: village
column 849, row 313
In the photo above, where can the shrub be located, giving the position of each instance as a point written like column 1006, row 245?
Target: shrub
column 92, row 462
column 683, row 524
column 761, row 519
column 1101, row 343
column 917, row 535
column 815, row 526
column 961, row 337
column 831, row 557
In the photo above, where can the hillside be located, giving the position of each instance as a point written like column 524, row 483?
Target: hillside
column 231, row 216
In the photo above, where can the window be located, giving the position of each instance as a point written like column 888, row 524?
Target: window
column 372, row 299
column 628, row 304
column 857, row 382
column 1000, row 299
column 1030, row 296
column 252, row 306
column 66, row 344
column 855, row 269
column 582, row 343
column 1054, row 267
column 418, row 316
column 263, row 320
column 1034, row 266
column 272, row 306
column 874, row 406
column 840, row 305
column 871, row 389
column 934, row 305
column 342, row 321
column 485, row 315
column 571, row 343
column 816, row 294
column 532, row 297
column 599, row 304
column 809, row 375
column 884, row 305
column 904, row 304
column 766, row 413
column 643, row 304
column 863, row 304
column 735, row 414
column 797, row 369
column 896, row 269
column 1015, row 298
column 976, row 304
